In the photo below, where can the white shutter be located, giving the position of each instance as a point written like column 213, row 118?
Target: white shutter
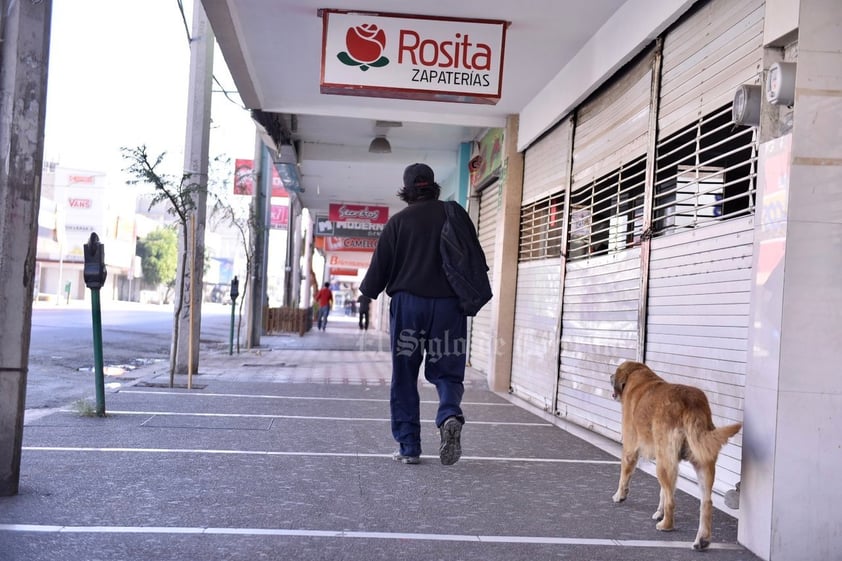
column 537, row 298
column 698, row 320
column 545, row 164
column 706, row 56
column 480, row 354
column 599, row 330
column 611, row 129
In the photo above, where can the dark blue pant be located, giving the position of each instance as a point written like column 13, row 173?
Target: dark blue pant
column 433, row 331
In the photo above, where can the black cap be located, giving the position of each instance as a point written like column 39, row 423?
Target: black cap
column 418, row 175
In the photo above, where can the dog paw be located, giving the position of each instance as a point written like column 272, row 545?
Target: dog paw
column 701, row 544
column 663, row 527
column 618, row 497
column 659, row 515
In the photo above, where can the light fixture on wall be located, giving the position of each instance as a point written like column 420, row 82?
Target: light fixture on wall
column 380, row 145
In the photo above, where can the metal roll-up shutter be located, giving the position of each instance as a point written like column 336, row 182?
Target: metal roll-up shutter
column 480, row 353
column 545, row 164
column 600, row 309
column 704, row 197
column 697, row 326
column 598, row 331
column 612, row 128
column 536, row 327
column 717, row 48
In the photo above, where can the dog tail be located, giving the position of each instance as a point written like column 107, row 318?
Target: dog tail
column 705, row 444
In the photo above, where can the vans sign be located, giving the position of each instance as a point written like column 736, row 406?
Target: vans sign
column 412, row 57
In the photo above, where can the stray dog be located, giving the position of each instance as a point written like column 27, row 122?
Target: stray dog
column 668, row 423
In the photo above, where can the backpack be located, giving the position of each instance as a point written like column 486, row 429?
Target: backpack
column 463, row 260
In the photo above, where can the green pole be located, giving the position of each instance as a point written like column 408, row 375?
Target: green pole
column 231, row 336
column 99, row 379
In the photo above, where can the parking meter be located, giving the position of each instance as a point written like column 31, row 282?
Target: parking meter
column 94, row 275
column 235, row 288
column 94, row 271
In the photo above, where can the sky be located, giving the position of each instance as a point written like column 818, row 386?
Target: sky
column 118, row 76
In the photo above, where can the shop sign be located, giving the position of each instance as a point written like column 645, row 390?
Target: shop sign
column 412, row 57
column 330, row 243
column 371, row 214
column 349, row 259
column 352, row 229
column 280, row 217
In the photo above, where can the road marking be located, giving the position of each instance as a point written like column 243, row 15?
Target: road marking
column 304, row 417
column 298, row 454
column 298, row 397
column 547, row 540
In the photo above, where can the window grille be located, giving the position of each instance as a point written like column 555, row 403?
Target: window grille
column 541, row 228
column 606, row 215
column 705, row 173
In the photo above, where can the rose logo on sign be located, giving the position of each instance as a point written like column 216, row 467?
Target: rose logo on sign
column 365, row 44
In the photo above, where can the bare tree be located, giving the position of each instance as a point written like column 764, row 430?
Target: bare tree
column 178, row 195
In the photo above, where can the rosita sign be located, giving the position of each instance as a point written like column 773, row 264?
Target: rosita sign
column 412, row 57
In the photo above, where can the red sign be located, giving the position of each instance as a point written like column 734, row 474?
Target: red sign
column 280, row 217
column 344, row 272
column 372, row 214
column 329, row 243
column 80, row 179
column 79, row 203
column 244, row 179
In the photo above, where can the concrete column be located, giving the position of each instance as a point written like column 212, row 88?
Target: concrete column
column 23, row 96
column 196, row 148
column 792, row 445
column 259, row 265
column 505, row 263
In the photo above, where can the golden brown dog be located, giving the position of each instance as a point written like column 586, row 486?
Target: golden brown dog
column 668, row 423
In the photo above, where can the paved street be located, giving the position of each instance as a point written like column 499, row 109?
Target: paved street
column 284, row 453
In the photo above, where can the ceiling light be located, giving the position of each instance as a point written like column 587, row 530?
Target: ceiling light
column 380, row 145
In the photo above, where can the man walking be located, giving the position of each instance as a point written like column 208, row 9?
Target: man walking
column 325, row 301
column 364, row 302
column 426, row 323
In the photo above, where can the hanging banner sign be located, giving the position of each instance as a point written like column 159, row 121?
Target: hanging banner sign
column 371, row 214
column 412, row 57
column 244, row 179
column 330, row 243
column 280, row 217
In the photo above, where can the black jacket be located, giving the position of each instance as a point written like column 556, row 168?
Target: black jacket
column 408, row 257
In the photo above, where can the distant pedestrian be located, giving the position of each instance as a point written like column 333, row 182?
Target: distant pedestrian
column 364, row 302
column 325, row 301
column 426, row 323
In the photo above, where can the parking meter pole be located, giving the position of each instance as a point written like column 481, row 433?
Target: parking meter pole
column 99, row 376
column 235, row 291
column 94, row 275
column 231, row 336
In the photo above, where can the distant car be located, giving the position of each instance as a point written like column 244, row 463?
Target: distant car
column 220, row 294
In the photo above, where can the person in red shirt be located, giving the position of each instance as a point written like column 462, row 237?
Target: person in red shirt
column 325, row 301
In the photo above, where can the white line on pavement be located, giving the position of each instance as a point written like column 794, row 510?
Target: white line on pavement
column 297, row 454
column 548, row 540
column 297, row 397
column 305, row 417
